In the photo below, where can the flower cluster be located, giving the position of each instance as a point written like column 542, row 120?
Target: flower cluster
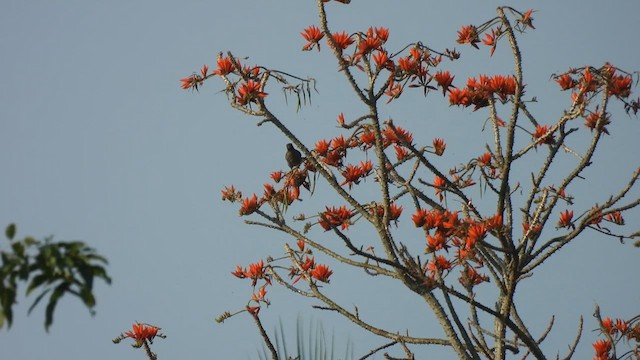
column 615, row 331
column 479, row 91
column 334, row 217
column 394, row 211
column 586, row 82
column 244, row 90
column 353, row 173
column 370, row 56
column 308, row 267
column 444, row 229
column 142, row 334
column 470, row 34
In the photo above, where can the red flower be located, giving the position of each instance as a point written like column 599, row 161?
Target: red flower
column 394, row 91
column 255, row 272
column 492, row 40
column 225, row 66
column 353, row 173
column 382, row 34
column 368, row 138
column 437, row 242
column 444, row 80
column 334, row 158
column 409, row 65
column 621, row 326
column 565, row 219
column 459, row 97
column 313, row 35
column 607, row 325
column 204, row 70
column 249, row 205
column 301, row 244
column 401, row 153
column 602, row 348
column 254, row 310
column 192, row 81
column 531, row 232
column 269, row 191
column 335, row 217
column 372, row 42
column 239, row 273
column 322, row 147
column 502, row 85
column 439, row 185
column 592, row 120
column 476, row 232
column 399, row 136
column 494, row 222
column 588, row 82
column 439, row 146
column 249, row 92
column 342, row 40
column 540, row 137
column 470, row 277
column 382, row 60
column 230, row 194
column 566, row 82
column 527, row 19
column 142, row 332
column 596, row 216
column 439, row 263
column 259, row 296
column 394, row 212
column 420, row 217
column 616, row 218
column 620, row 86
column 484, row 159
column 321, row 273
column 468, row 35
column 277, row 176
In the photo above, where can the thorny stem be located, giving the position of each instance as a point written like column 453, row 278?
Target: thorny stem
column 265, row 336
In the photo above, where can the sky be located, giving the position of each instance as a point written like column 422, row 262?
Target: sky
column 98, row 143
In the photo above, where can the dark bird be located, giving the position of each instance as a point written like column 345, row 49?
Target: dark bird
column 293, row 156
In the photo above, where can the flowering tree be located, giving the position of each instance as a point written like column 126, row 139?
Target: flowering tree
column 380, row 174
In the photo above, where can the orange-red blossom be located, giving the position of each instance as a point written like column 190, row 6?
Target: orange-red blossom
column 313, row 35
column 334, row 217
column 142, row 332
column 321, row 273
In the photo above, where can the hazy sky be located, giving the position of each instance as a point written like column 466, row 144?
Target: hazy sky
column 99, row 143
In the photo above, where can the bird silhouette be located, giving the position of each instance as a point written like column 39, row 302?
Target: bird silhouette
column 293, row 156
column 294, row 159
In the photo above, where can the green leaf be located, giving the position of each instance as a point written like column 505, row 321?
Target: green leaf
column 99, row 271
column 37, row 300
column 7, row 299
column 1, row 319
column 36, row 281
column 87, row 297
column 57, row 293
column 10, row 231
column 30, row 241
column 18, row 248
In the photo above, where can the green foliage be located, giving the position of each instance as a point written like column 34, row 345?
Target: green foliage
column 314, row 347
column 53, row 268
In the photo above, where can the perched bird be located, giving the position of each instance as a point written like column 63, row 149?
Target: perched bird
column 294, row 159
column 293, row 156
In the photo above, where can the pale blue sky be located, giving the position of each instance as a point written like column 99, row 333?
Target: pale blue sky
column 99, row 143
